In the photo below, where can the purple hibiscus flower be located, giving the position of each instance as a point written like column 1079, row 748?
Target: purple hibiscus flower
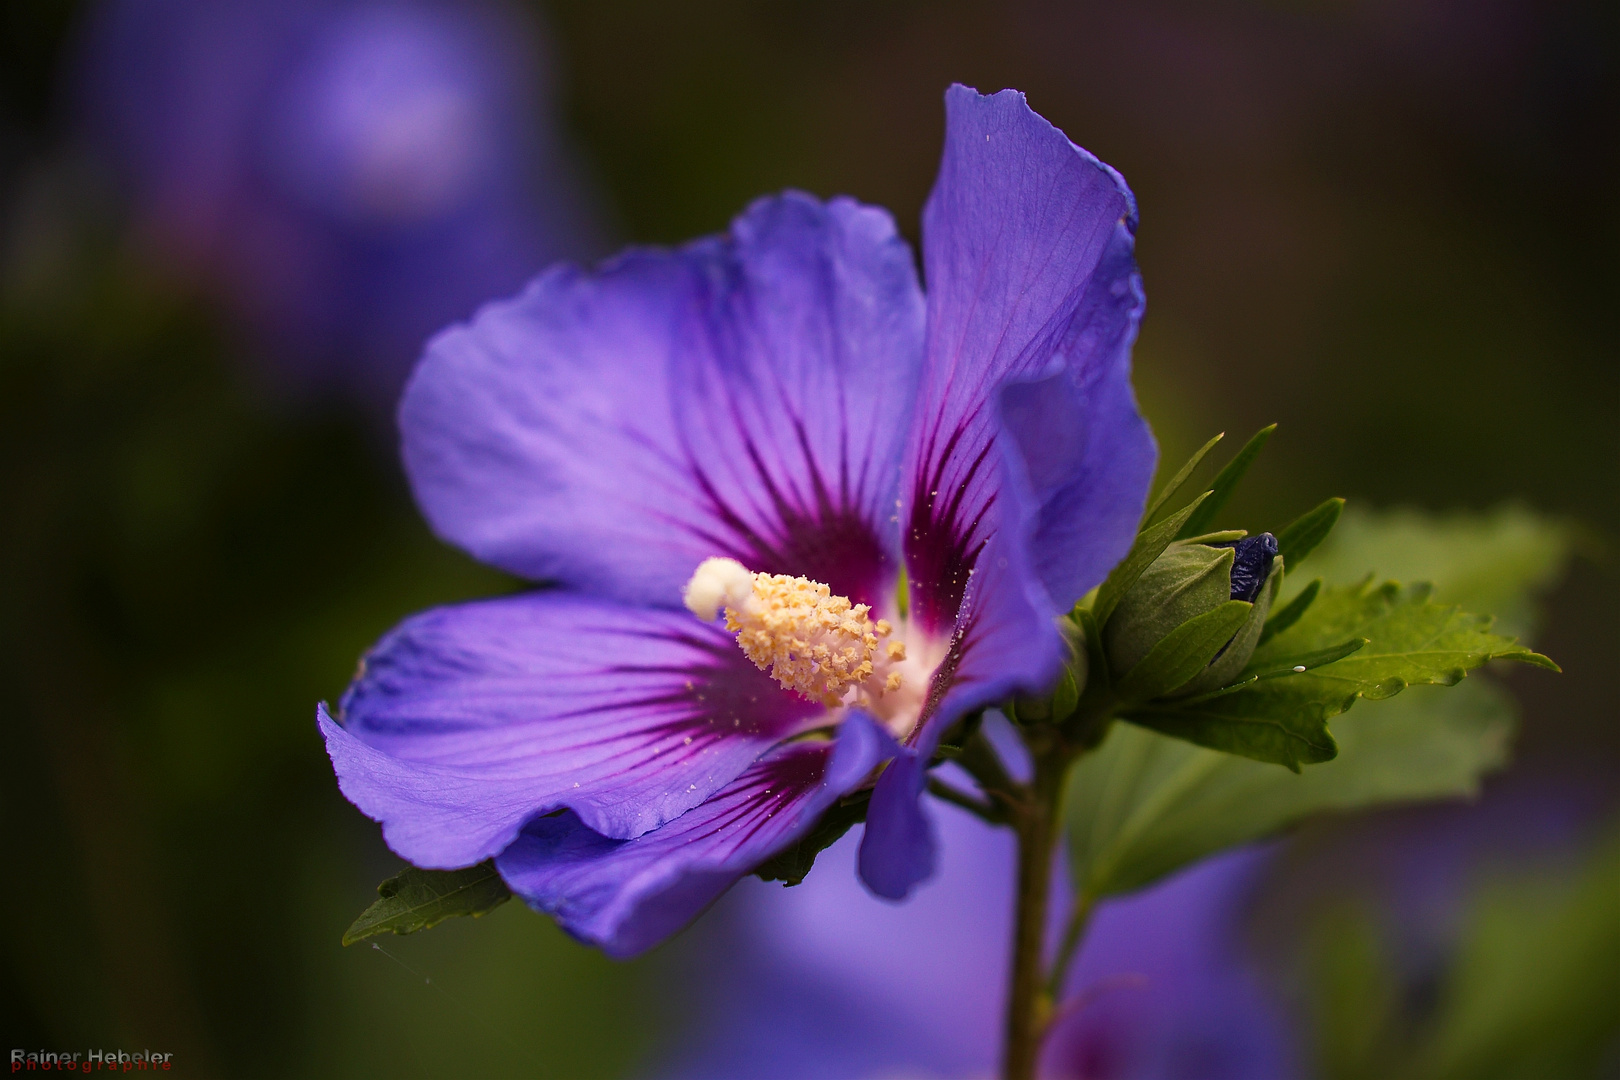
column 889, row 499
column 348, row 175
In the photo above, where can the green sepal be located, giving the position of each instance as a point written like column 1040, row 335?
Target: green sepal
column 1183, row 653
column 1180, row 478
column 790, row 865
column 416, row 899
column 1058, row 703
column 1187, row 581
column 1090, row 642
column 1056, row 706
column 1291, row 612
column 1220, row 536
column 1150, row 544
column 1300, row 537
column 1232, row 661
column 1225, row 483
column 1066, row 695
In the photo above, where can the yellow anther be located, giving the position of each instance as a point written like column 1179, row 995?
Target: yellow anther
column 812, row 642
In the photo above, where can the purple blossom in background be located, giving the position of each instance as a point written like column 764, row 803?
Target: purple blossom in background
column 822, row 980
column 1420, row 868
column 349, row 175
column 767, row 424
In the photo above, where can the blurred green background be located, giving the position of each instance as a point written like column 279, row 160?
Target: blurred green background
column 1393, row 228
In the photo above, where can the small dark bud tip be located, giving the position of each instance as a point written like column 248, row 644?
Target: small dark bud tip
column 1251, row 564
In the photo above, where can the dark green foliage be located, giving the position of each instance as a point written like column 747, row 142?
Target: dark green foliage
column 416, row 899
column 188, row 568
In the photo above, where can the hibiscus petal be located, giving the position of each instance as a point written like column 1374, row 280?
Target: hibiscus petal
column 1006, row 643
column 628, row 895
column 899, row 848
column 1075, row 442
column 1031, row 463
column 798, row 372
column 1018, row 223
column 744, row 396
column 467, row 721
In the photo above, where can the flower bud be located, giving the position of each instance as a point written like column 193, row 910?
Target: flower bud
column 1191, row 578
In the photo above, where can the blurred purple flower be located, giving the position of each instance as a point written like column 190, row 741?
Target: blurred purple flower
column 821, row 980
column 782, row 396
column 1419, row 869
column 350, row 175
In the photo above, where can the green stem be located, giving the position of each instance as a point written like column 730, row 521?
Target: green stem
column 1028, row 1002
column 1079, row 918
column 977, row 807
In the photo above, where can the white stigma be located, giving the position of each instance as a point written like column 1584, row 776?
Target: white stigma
column 812, row 642
column 715, row 584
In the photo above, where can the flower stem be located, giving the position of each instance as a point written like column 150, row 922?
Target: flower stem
column 984, row 811
column 1028, row 1001
column 1079, row 918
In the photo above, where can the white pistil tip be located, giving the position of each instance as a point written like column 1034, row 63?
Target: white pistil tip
column 715, row 584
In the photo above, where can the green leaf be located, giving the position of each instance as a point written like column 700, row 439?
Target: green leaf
column 1411, row 639
column 1183, row 652
column 1301, row 536
column 1143, row 805
column 416, row 899
column 1407, row 639
column 792, row 864
column 1303, row 662
column 1497, row 562
column 1150, row 544
column 1280, row 721
column 1180, row 478
column 1225, row 483
column 1290, row 613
